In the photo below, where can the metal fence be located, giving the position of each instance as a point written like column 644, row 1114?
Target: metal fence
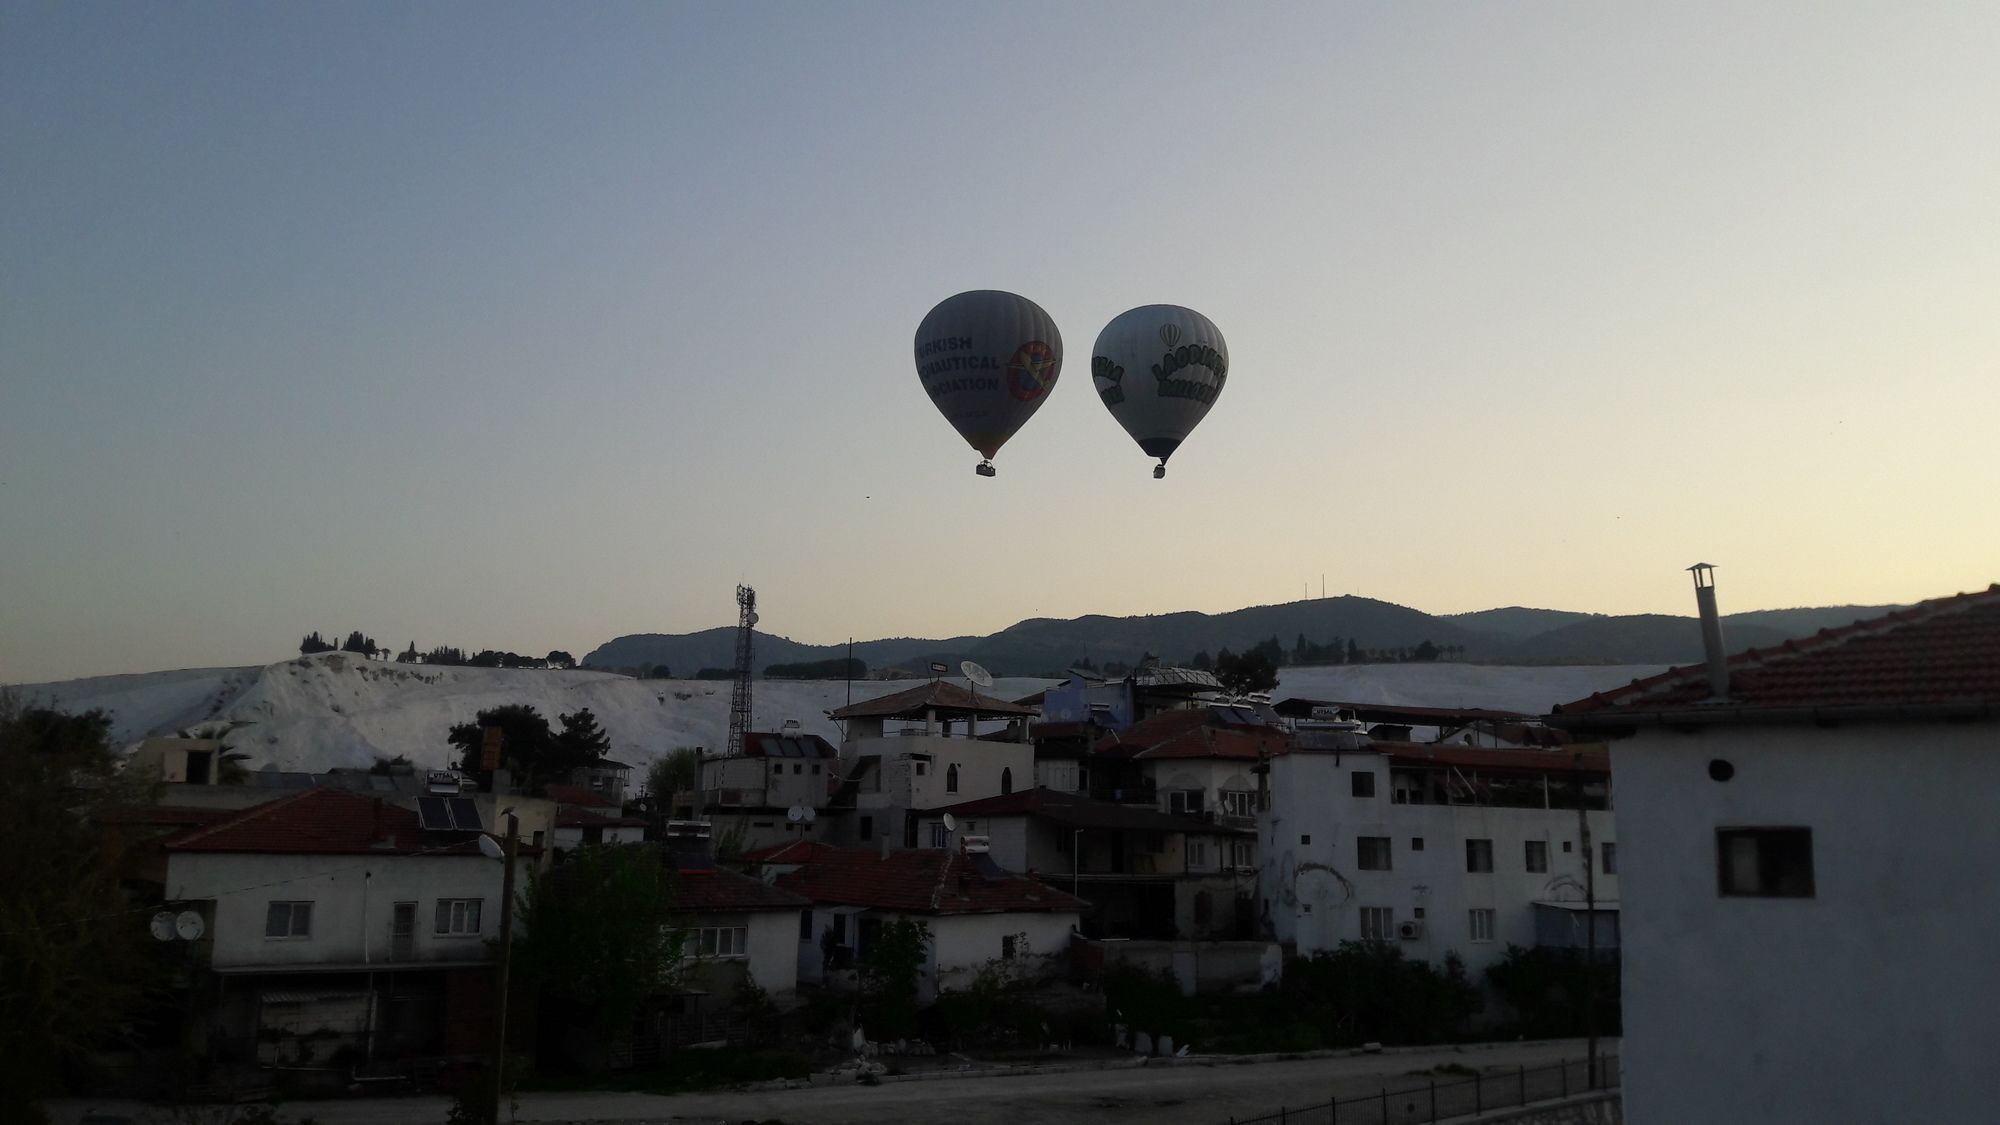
column 1449, row 1095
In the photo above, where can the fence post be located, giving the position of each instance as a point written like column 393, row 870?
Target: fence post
column 1434, row 1100
column 1385, row 1105
column 1524, row 1083
column 1565, row 1073
column 1283, row 1117
column 1478, row 1092
column 1333, row 1109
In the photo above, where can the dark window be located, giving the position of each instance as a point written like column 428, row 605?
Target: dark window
column 1371, row 853
column 1008, row 943
column 815, row 769
column 1416, row 843
column 1479, row 855
column 870, row 933
column 798, row 768
column 951, row 778
column 1568, row 846
column 1765, row 862
column 1364, row 784
column 1306, row 838
column 1006, row 781
column 1610, row 859
column 288, row 920
column 1538, row 857
column 840, row 929
column 867, row 828
column 777, row 769
column 805, row 925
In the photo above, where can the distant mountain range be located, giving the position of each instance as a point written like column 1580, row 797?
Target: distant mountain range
column 1042, row 646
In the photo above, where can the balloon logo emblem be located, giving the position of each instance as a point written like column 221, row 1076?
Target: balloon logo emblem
column 1032, row 370
column 1170, row 334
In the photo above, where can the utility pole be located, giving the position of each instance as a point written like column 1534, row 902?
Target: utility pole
column 739, row 696
column 506, row 955
column 1589, row 924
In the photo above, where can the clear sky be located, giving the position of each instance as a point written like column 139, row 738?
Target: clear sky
column 525, row 326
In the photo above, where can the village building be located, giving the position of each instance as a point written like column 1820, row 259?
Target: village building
column 1810, row 908
column 773, row 792
column 923, row 748
column 1437, row 848
column 978, row 914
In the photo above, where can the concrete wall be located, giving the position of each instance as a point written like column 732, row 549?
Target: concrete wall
column 777, row 783
column 1872, row 1000
column 337, row 886
column 963, row 944
column 1200, row 966
column 1314, row 891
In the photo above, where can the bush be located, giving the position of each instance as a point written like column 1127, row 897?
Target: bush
column 1545, row 989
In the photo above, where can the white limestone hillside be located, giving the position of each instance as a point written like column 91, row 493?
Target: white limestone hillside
column 335, row 709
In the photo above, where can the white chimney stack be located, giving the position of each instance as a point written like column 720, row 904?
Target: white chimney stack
column 1711, row 630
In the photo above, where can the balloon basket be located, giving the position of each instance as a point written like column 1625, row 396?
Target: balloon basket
column 1160, row 471
column 984, row 469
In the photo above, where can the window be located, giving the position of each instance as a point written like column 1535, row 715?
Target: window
column 1568, row 847
column 805, row 925
column 1197, row 853
column 537, row 840
column 719, row 941
column 777, row 769
column 1371, row 853
column 815, row 769
column 1378, row 923
column 1184, row 800
column 1006, row 781
column 1242, row 853
column 867, row 828
column 1765, row 862
column 1479, row 855
column 798, row 768
column 1235, row 802
column 457, row 917
column 288, row 920
column 1008, row 944
column 1416, row 843
column 1538, row 857
column 1305, row 838
column 1610, row 859
column 840, row 929
column 1482, row 924
column 951, row 778
column 922, row 768
column 1363, row 783
column 940, row 836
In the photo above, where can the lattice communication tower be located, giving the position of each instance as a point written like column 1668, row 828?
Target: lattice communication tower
column 739, row 698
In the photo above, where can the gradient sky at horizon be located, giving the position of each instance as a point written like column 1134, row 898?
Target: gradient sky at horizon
column 526, row 326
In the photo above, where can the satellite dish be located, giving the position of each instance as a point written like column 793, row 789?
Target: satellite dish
column 988, row 361
column 163, row 926
column 950, row 822
column 1158, row 369
column 189, row 926
column 753, row 617
column 795, row 814
column 975, row 673
column 811, row 815
column 490, row 848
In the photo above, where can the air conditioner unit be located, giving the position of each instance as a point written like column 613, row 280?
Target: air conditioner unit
column 1409, row 931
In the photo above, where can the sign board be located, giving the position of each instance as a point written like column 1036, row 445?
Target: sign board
column 489, row 750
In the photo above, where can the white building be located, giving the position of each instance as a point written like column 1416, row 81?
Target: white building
column 749, row 797
column 978, row 915
column 1435, row 847
column 1812, row 909
column 339, row 921
column 922, row 749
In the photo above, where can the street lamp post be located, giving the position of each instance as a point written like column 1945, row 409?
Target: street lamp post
column 506, row 957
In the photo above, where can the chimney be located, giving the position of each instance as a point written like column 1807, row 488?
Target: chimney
column 1711, row 631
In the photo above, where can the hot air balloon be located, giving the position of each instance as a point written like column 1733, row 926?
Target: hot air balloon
column 1159, row 368
column 988, row 360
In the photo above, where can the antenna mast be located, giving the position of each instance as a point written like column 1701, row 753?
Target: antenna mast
column 739, row 699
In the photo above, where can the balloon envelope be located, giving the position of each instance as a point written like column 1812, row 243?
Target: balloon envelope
column 1158, row 369
column 988, row 360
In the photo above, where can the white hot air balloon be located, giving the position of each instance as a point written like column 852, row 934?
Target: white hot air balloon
column 988, row 360
column 1159, row 368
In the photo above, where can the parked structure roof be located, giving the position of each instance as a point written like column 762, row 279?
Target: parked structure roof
column 324, row 821
column 1943, row 653
column 787, row 744
column 940, row 696
column 921, row 881
column 1203, row 732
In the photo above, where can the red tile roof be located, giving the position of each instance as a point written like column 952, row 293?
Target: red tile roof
column 324, row 821
column 942, row 696
column 1944, row 651
column 722, row 891
column 580, row 796
column 919, row 881
column 1191, row 734
column 792, row 851
column 161, row 816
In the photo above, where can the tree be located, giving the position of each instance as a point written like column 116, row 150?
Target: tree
column 528, row 748
column 889, row 967
column 76, row 964
column 357, row 643
column 676, row 772
column 1242, row 675
column 1354, row 654
column 659, row 672
column 557, row 658
column 314, row 643
column 1425, row 651
column 598, row 937
column 1202, row 660
column 581, row 740
column 1302, row 651
column 408, row 655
